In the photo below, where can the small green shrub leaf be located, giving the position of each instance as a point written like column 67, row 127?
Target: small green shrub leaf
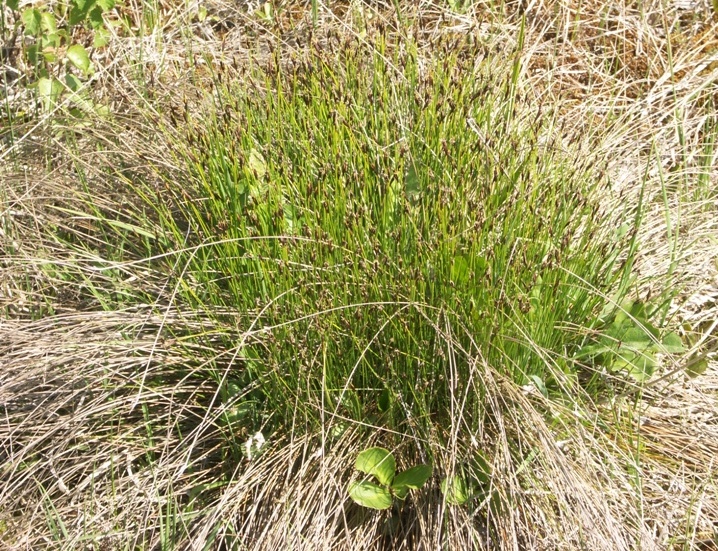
column 73, row 83
column 377, row 462
column 95, row 17
column 638, row 366
column 48, row 23
column 456, row 490
column 593, row 350
column 49, row 90
column 13, row 4
column 106, row 4
column 412, row 185
column 636, row 338
column 540, row 386
column 411, row 479
column 79, row 58
column 32, row 19
column 79, row 10
column 370, row 495
column 83, row 4
column 102, row 38
column 52, row 40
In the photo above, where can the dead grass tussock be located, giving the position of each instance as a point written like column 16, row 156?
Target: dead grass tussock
column 76, row 450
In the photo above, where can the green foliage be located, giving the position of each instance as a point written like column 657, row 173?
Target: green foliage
column 50, row 52
column 380, row 463
column 377, row 462
column 469, row 482
column 456, row 490
column 357, row 210
column 377, row 234
column 627, row 342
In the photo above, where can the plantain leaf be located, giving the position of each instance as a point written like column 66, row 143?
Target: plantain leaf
column 697, row 367
column 370, row 495
column 673, row 344
column 456, row 490
column 481, row 468
column 411, row 479
column 638, row 366
column 49, row 90
column 377, row 462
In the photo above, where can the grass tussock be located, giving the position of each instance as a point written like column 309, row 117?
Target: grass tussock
column 367, row 228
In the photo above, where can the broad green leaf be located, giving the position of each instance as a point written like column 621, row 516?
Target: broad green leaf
column 49, row 56
column 94, row 16
column 33, row 54
column 291, row 218
column 622, row 313
column 233, row 388
column 696, row 367
column 52, row 40
column 79, row 11
column 411, row 479
column 106, row 4
column 32, row 19
column 338, row 430
column 459, row 270
column 235, row 415
column 49, row 90
column 73, row 83
column 79, row 58
column 636, row 339
column 592, row 350
column 102, row 38
column 377, row 462
column 370, row 495
column 638, row 311
column 481, row 266
column 638, row 366
column 48, row 23
column 456, row 490
column 540, row 386
column 257, row 163
column 482, row 469
column 412, row 186
column 672, row 344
